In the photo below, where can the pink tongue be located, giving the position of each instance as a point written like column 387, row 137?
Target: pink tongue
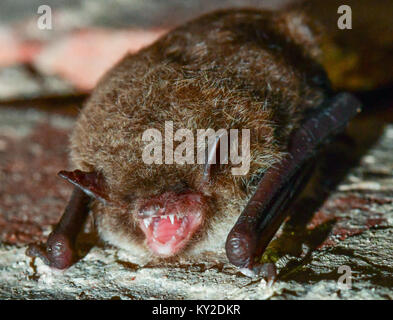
column 165, row 230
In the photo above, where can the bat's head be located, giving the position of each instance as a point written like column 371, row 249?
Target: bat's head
column 166, row 220
column 164, row 209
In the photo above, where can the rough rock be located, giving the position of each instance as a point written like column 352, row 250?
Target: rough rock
column 89, row 36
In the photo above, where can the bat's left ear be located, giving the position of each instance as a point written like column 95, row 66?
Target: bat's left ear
column 213, row 156
column 92, row 183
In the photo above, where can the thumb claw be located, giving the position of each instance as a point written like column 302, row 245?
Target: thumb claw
column 37, row 251
column 265, row 270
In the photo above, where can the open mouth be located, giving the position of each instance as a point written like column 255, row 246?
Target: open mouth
column 166, row 235
column 170, row 220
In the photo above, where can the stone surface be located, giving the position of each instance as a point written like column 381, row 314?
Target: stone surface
column 32, row 150
column 121, row 13
column 19, row 82
column 88, row 37
column 346, row 220
column 88, row 54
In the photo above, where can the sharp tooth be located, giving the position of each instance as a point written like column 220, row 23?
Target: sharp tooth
column 173, row 238
column 147, row 221
column 163, row 217
column 155, row 231
column 172, row 218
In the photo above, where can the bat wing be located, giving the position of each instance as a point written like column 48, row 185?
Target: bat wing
column 280, row 184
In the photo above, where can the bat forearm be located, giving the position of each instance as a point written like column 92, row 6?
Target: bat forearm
column 59, row 250
column 280, row 184
column 74, row 215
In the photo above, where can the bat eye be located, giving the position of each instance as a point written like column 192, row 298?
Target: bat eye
column 180, row 187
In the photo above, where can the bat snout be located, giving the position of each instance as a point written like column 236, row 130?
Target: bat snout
column 170, row 220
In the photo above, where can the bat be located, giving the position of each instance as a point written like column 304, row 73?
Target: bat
column 230, row 69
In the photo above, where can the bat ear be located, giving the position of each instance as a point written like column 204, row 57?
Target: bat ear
column 92, row 183
column 214, row 157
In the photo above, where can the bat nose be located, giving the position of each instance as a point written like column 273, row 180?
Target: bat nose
column 149, row 210
column 179, row 187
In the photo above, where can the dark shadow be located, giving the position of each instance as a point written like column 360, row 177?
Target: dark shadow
column 85, row 242
column 332, row 166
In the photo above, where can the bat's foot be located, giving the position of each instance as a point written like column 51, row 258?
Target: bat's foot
column 59, row 251
column 267, row 271
column 37, row 251
column 56, row 253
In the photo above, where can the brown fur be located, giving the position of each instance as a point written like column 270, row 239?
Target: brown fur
column 239, row 69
